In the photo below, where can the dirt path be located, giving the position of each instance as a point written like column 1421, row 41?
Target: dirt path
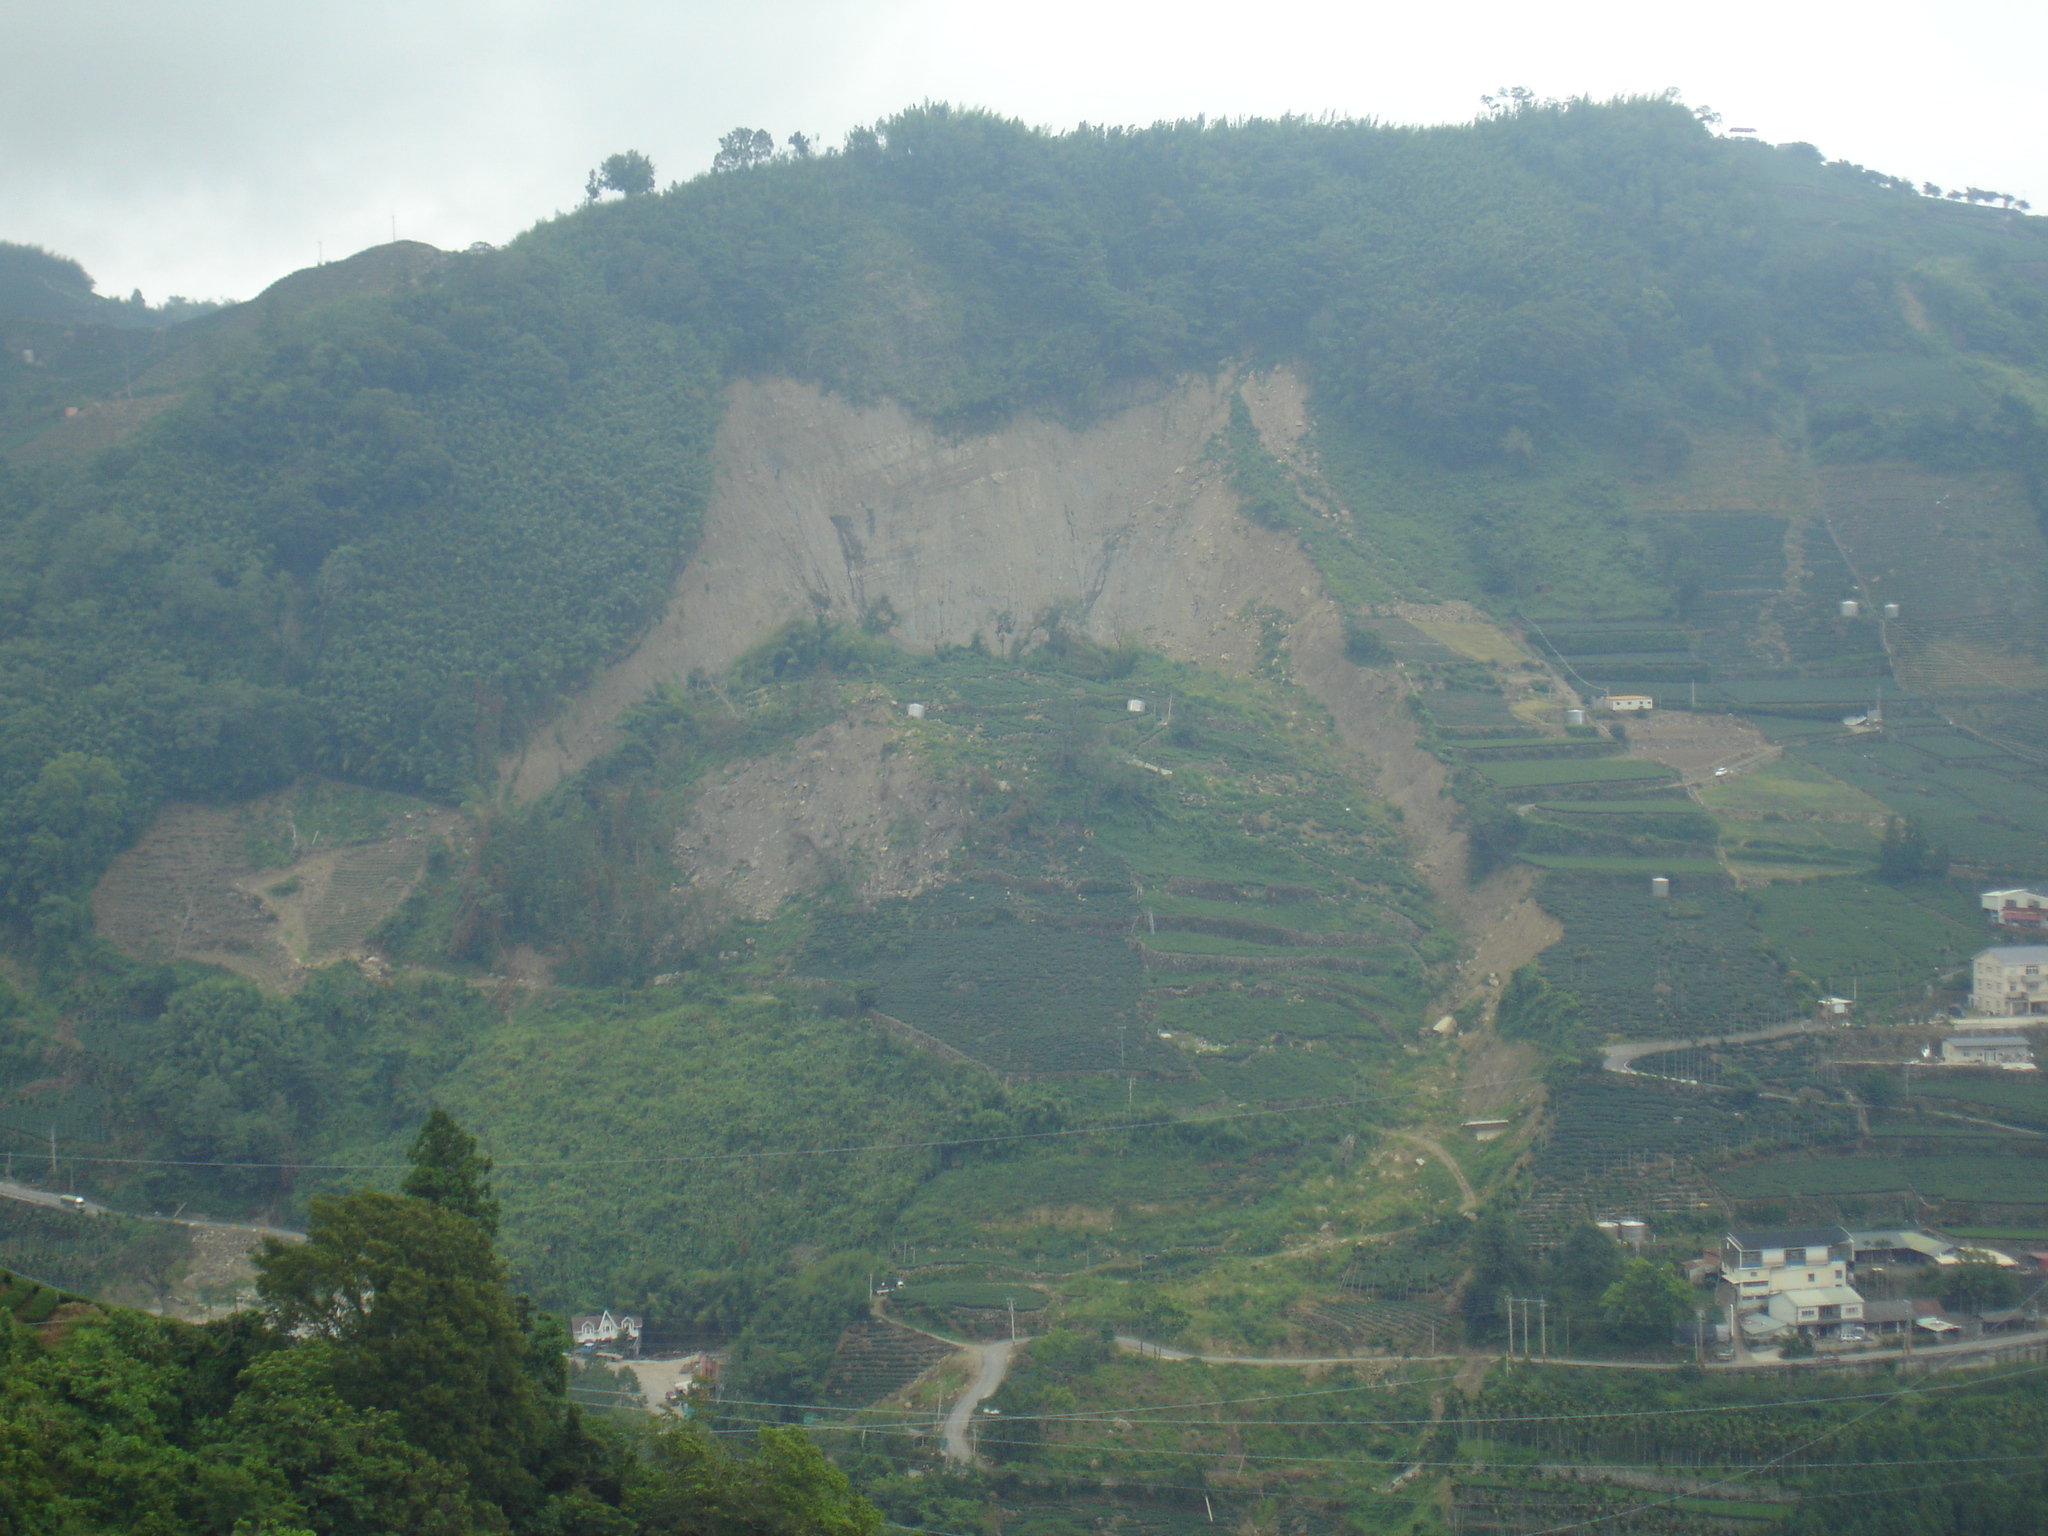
column 1622, row 1058
column 992, row 1363
column 1469, row 1197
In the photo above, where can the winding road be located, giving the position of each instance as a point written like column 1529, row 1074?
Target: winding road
column 1622, row 1058
column 993, row 1362
column 28, row 1194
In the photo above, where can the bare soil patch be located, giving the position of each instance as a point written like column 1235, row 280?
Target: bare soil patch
column 1694, row 744
column 210, row 883
column 846, row 803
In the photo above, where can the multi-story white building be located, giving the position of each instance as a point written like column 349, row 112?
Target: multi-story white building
column 1795, row 1277
column 2010, row 981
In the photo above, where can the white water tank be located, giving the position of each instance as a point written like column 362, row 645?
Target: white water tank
column 1134, row 706
column 1891, row 610
column 1660, row 885
column 1850, row 607
column 915, row 711
column 1575, row 717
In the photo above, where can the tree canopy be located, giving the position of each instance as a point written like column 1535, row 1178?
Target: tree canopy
column 390, row 1383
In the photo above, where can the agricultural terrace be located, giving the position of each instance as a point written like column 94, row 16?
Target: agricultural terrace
column 1692, row 964
column 1238, row 916
column 1990, row 808
column 1853, row 935
column 2017, row 1178
column 1623, row 1146
column 2020, row 1098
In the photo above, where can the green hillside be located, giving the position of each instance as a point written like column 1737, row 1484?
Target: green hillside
column 373, row 536
column 1157, row 996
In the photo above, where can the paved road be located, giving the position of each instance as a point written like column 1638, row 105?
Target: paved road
column 28, row 1194
column 1622, row 1058
column 994, row 1362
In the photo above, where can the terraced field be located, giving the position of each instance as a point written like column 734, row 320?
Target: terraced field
column 2008, row 1180
column 2022, row 1100
column 1623, row 1147
column 1691, row 965
column 877, row 1358
column 1251, row 923
column 1990, row 808
column 1356, row 1325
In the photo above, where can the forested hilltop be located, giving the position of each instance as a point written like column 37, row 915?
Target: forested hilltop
column 994, row 709
column 372, row 537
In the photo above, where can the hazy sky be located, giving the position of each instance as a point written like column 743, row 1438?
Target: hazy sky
column 208, row 148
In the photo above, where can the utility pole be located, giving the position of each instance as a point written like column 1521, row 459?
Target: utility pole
column 1012, row 1301
column 1543, row 1323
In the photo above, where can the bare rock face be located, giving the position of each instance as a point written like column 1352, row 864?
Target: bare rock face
column 1124, row 527
column 843, row 805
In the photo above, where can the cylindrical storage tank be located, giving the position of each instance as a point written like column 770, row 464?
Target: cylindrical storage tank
column 1660, row 885
column 1575, row 717
column 1850, row 607
column 915, row 711
column 1891, row 610
column 1135, row 706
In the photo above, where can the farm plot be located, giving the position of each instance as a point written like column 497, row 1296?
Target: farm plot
column 119, row 1258
column 2022, row 1100
column 1641, row 968
column 1783, row 1065
column 1737, row 561
column 877, row 1358
column 1990, row 811
column 1246, row 913
column 1537, row 776
column 1355, row 1324
column 1851, row 933
column 1027, row 997
column 2010, row 1180
column 1608, row 864
column 1620, row 1148
column 1208, row 1015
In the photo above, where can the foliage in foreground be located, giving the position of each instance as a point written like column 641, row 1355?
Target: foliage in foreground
column 391, row 1383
